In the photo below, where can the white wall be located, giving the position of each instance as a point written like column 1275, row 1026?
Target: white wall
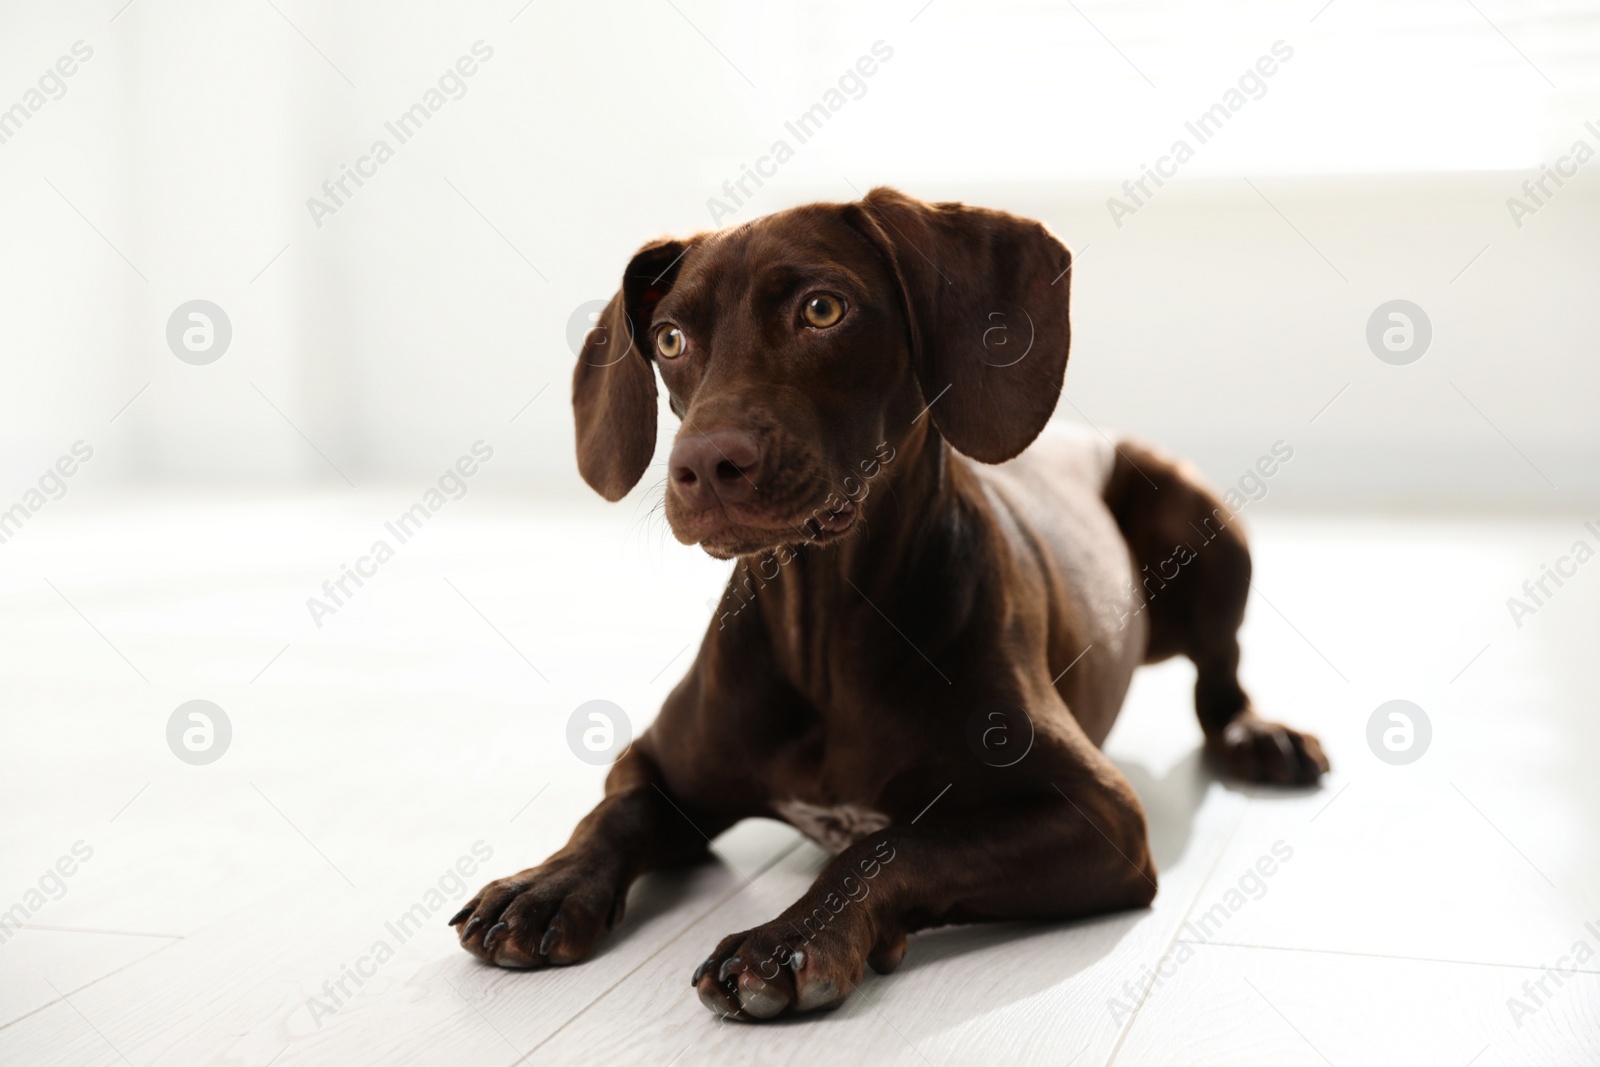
column 434, row 304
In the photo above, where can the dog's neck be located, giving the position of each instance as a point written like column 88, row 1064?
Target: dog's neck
column 912, row 553
column 904, row 505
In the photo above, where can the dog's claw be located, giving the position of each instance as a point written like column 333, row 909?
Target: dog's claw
column 462, row 914
column 761, row 974
column 550, row 915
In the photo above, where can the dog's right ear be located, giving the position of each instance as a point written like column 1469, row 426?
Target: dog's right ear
column 970, row 278
column 614, row 383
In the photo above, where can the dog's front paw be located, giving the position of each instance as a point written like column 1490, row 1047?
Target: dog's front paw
column 781, row 968
column 551, row 914
column 1260, row 751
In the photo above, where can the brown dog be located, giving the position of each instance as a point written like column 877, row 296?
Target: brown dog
column 917, row 656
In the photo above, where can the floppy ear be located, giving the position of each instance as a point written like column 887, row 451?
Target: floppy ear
column 614, row 383
column 985, row 296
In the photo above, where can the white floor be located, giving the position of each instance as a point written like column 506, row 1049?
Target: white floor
column 427, row 717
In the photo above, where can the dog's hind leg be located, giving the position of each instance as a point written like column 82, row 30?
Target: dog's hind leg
column 1193, row 562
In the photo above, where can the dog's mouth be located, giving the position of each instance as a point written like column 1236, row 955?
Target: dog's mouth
column 833, row 522
column 726, row 533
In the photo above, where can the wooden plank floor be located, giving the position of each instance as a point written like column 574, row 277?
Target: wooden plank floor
column 1412, row 913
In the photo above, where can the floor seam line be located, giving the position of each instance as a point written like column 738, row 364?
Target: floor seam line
column 86, row 985
column 1222, row 850
column 90, row 930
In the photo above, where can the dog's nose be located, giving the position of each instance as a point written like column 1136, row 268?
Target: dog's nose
column 718, row 464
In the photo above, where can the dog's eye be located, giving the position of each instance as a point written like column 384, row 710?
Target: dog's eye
column 670, row 342
column 823, row 309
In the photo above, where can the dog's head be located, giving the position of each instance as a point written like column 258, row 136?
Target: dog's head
column 800, row 348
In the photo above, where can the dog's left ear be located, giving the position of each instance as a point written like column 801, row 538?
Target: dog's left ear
column 614, row 383
column 985, row 297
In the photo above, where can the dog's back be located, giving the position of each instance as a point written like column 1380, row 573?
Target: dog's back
column 1055, row 493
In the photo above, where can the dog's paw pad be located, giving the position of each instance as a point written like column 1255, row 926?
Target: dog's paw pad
column 772, row 971
column 1261, row 751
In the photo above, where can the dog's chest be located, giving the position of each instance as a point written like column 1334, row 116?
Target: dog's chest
column 835, row 828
